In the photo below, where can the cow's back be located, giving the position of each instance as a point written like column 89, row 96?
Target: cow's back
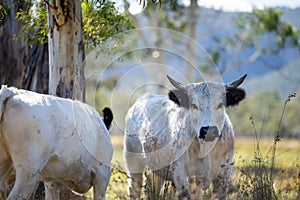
column 65, row 134
column 27, row 124
column 156, row 128
column 149, row 118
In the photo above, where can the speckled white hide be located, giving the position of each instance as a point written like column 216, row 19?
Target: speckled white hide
column 164, row 138
column 52, row 139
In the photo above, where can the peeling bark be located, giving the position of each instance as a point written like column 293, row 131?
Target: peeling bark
column 66, row 51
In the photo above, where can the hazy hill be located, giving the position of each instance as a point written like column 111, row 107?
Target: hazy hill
column 268, row 72
column 292, row 16
column 271, row 72
column 285, row 80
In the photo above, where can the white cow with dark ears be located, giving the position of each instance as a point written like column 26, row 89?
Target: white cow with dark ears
column 188, row 135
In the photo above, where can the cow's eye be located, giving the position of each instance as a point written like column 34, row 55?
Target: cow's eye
column 221, row 105
column 194, row 106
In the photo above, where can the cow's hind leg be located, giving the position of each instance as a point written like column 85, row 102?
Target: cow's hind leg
column 135, row 184
column 154, row 185
column 24, row 185
column 135, row 165
column 135, row 177
column 6, row 170
column 100, row 181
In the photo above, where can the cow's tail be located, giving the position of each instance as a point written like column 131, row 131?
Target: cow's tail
column 5, row 93
column 107, row 117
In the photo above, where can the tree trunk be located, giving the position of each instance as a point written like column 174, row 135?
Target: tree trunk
column 66, row 50
column 191, row 52
column 66, row 60
column 13, row 52
column 36, row 75
column 20, row 65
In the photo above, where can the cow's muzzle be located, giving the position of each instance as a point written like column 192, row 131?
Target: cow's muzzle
column 209, row 133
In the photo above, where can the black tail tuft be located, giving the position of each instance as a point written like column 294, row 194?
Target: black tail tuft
column 107, row 117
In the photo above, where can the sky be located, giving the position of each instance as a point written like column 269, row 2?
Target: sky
column 230, row 5
column 247, row 5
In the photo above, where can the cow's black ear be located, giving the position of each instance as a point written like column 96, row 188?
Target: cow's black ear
column 180, row 97
column 234, row 96
column 173, row 97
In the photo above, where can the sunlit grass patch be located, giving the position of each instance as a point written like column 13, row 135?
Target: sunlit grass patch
column 118, row 183
column 288, row 151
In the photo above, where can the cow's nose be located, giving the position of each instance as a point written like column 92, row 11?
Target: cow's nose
column 209, row 133
column 203, row 132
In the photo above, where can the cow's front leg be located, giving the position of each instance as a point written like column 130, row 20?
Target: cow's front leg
column 197, row 187
column 181, row 183
column 25, row 183
column 222, row 181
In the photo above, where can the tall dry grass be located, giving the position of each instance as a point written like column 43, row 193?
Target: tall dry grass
column 258, row 178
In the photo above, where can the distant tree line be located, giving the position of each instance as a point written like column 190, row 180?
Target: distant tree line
column 265, row 108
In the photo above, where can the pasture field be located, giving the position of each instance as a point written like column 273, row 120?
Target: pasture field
column 286, row 180
column 287, row 152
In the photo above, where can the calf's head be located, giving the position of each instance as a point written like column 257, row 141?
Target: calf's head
column 206, row 103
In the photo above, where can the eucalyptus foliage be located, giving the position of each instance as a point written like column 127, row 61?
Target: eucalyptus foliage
column 101, row 20
column 265, row 21
column 253, row 29
column 34, row 20
column 3, row 11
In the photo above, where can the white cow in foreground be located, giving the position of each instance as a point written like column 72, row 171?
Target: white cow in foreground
column 55, row 140
column 188, row 135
